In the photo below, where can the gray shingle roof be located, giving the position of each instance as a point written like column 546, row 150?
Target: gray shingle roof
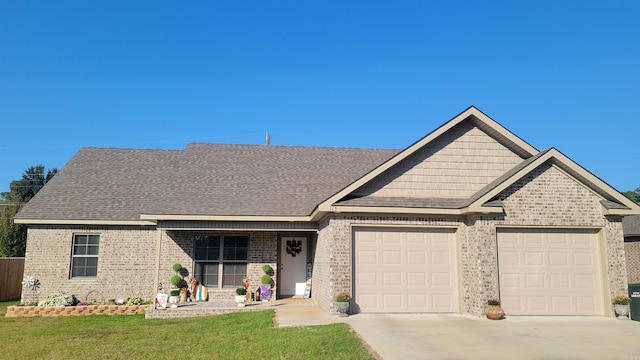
column 631, row 225
column 203, row 179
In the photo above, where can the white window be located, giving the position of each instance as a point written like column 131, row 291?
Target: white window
column 84, row 255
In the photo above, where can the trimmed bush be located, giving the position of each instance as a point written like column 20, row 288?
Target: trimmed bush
column 241, row 291
column 177, row 267
column 175, row 280
column 267, row 268
column 266, row 279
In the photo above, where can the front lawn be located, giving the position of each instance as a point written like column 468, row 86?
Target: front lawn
column 245, row 335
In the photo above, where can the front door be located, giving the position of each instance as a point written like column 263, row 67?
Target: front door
column 293, row 255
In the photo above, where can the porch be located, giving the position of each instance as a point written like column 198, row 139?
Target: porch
column 223, row 255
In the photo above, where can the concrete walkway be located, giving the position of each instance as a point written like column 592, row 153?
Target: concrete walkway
column 451, row 336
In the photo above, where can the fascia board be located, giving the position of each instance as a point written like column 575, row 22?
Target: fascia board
column 85, row 222
column 554, row 154
column 223, row 218
column 508, row 182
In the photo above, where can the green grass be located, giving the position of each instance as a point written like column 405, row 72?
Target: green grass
column 245, row 335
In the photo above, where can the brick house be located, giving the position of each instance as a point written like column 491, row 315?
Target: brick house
column 466, row 213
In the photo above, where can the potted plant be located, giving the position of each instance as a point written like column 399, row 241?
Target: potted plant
column 265, row 287
column 178, row 283
column 343, row 299
column 621, row 305
column 174, row 297
column 264, row 290
column 493, row 310
column 241, row 296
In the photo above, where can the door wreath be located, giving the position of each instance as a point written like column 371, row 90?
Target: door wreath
column 294, row 247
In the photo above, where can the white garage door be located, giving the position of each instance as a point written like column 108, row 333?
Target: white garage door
column 549, row 272
column 405, row 270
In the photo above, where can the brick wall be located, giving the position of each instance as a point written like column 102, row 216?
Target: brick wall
column 126, row 260
column 545, row 198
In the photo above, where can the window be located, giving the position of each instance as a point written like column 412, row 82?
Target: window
column 221, row 260
column 84, row 256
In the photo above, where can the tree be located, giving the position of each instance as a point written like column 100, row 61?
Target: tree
column 33, row 179
column 13, row 237
column 633, row 195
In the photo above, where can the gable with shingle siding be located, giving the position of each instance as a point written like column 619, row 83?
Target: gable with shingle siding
column 456, row 165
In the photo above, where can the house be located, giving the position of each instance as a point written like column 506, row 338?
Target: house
column 631, row 229
column 466, row 213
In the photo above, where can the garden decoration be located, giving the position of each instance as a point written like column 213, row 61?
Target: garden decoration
column 33, row 284
column 621, row 306
column 493, row 310
column 343, row 299
column 265, row 283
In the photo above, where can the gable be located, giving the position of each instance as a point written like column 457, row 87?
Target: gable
column 549, row 196
column 455, row 165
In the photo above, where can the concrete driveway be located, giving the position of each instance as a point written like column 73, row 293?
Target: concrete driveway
column 436, row 336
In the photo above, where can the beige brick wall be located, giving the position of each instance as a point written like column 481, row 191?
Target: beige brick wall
column 126, row 262
column 456, row 165
column 545, row 198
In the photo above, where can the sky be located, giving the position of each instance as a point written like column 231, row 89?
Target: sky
column 380, row 74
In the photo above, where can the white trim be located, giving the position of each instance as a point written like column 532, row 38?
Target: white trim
column 84, row 222
column 224, row 217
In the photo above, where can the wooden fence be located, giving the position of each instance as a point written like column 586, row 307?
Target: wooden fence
column 11, row 271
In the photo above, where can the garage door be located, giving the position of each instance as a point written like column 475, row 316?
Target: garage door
column 400, row 271
column 549, row 272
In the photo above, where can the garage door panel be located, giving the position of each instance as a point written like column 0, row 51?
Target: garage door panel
column 392, row 301
column 549, row 272
column 368, row 257
column 561, row 303
column 559, row 281
column 368, row 279
column 584, row 259
column 533, row 281
column 558, row 259
column 392, row 279
column 417, row 257
column 416, row 279
column 442, row 258
column 509, row 258
column 415, row 271
column 391, row 258
column 442, row 302
column 417, row 301
column 532, row 258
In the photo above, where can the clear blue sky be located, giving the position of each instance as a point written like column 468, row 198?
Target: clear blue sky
column 160, row 74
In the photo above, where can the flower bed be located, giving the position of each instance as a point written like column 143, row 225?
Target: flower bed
column 17, row 311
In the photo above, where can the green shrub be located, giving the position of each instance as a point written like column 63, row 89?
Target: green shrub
column 622, row 300
column 266, row 279
column 343, row 297
column 136, row 300
column 58, row 299
column 175, row 280
column 241, row 291
column 177, row 267
column 174, row 292
column 267, row 268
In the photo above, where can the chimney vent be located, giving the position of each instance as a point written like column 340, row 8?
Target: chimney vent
column 268, row 139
